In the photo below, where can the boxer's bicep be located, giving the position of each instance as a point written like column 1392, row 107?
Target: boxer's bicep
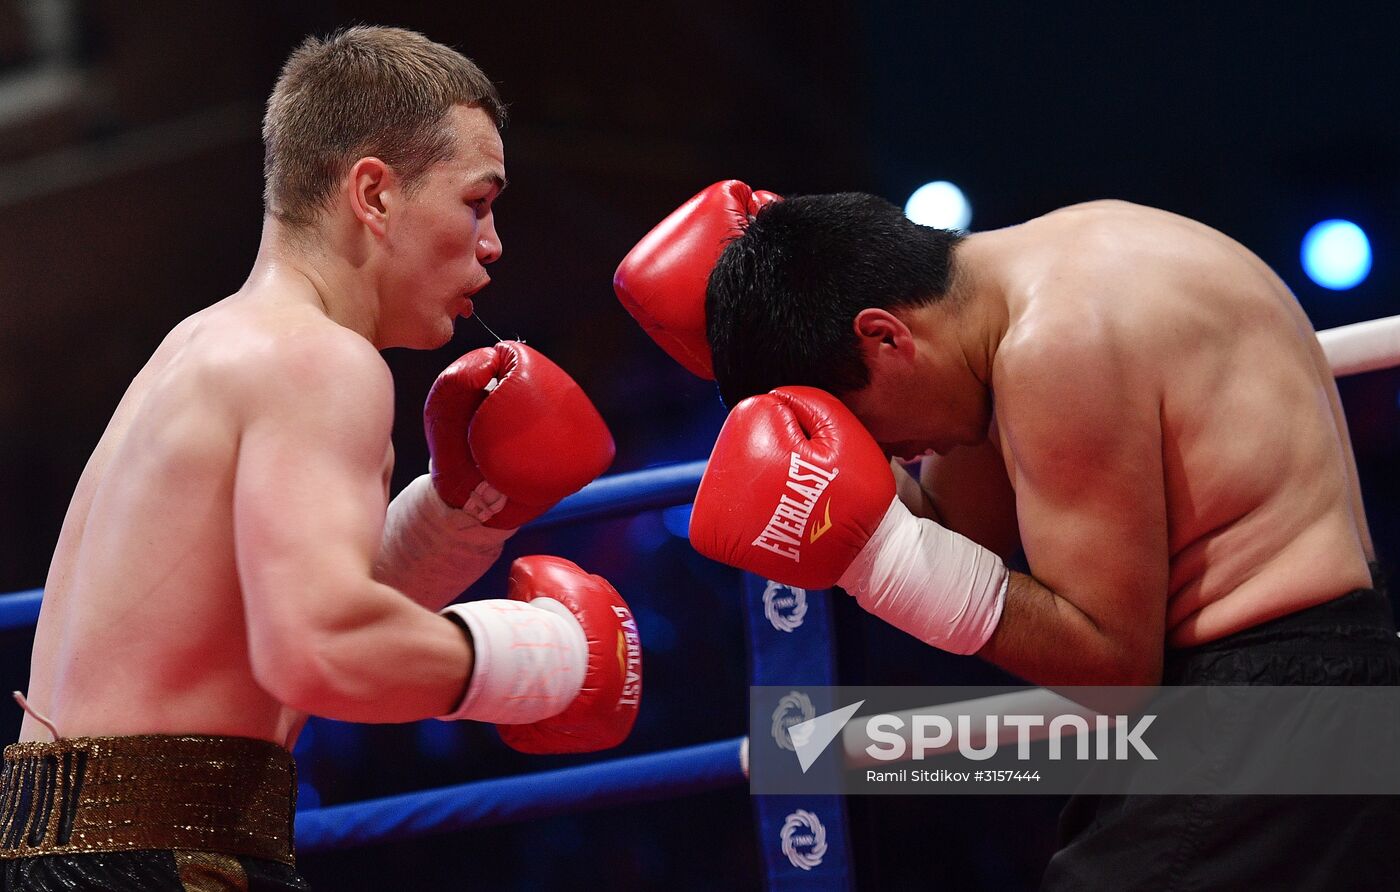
column 309, row 496
column 1085, row 449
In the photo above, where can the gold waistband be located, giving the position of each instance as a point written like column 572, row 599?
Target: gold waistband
column 106, row 794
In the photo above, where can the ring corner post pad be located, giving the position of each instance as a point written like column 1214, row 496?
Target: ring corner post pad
column 804, row 839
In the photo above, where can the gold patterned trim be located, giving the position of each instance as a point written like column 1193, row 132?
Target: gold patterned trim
column 233, row 795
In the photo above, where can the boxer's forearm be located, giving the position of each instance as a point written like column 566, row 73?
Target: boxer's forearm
column 1044, row 638
column 432, row 552
column 914, row 496
column 386, row 661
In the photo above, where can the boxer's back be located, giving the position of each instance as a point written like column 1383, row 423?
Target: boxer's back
column 142, row 627
column 1263, row 507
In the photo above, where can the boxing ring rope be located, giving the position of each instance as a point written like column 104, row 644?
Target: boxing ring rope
column 1362, row 346
column 1350, row 349
column 620, row 494
column 20, row 610
column 652, row 777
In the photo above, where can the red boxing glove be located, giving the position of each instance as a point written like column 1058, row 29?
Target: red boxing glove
column 602, row 714
column 794, row 489
column 662, row 280
column 535, row 437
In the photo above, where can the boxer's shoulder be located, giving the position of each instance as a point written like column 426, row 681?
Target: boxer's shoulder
column 261, row 357
column 1060, row 333
column 1104, row 211
column 1107, row 240
column 1075, row 313
column 1067, row 375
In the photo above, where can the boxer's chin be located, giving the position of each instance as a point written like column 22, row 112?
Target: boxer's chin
column 427, row 338
column 444, row 334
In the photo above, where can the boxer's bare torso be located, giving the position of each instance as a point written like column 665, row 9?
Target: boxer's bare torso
column 1168, row 424
column 143, row 627
column 217, row 570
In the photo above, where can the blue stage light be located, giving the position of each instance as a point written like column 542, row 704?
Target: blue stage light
column 1336, row 254
column 941, row 205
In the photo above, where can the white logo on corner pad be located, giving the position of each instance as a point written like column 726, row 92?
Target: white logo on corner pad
column 804, row 839
column 784, row 605
column 795, row 708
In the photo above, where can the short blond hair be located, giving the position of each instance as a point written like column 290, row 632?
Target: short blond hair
column 362, row 91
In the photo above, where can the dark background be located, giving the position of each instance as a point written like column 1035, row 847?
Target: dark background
column 130, row 183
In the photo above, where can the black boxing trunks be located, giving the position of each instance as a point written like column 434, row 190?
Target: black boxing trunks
column 1251, row 842
column 147, row 813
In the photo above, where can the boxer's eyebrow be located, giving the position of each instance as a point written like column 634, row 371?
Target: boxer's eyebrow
column 494, row 179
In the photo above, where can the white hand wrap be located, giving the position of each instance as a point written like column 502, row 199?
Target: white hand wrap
column 528, row 660
column 431, row 551
column 929, row 581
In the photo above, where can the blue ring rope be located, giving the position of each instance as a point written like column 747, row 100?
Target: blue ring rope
column 660, row 487
column 652, row 777
column 20, row 610
column 605, row 497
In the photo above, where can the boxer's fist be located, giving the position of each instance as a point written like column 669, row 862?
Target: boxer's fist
column 533, row 437
column 794, row 489
column 606, row 706
column 662, row 280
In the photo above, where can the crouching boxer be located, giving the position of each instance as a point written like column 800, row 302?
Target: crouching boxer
column 229, row 562
column 1130, row 399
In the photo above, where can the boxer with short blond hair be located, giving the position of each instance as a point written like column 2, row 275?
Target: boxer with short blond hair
column 230, row 561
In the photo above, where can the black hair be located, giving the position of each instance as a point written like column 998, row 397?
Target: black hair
column 782, row 298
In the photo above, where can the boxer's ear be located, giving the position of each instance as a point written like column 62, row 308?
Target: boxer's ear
column 882, row 334
column 368, row 188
